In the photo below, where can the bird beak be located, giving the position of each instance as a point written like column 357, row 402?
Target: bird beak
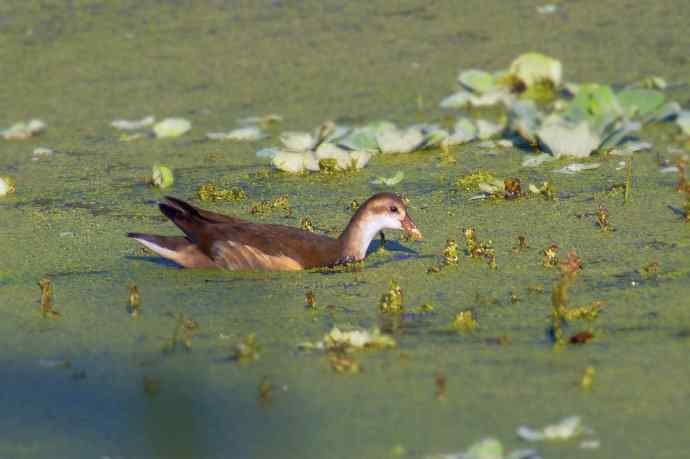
column 410, row 228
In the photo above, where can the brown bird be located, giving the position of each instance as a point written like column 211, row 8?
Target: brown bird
column 215, row 240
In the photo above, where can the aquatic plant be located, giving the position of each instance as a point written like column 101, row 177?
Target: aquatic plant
column 441, row 389
column 210, row 192
column 587, row 378
column 7, row 186
column 243, row 134
column 265, row 391
column 171, row 127
column 23, row 130
column 133, row 125
column 246, row 350
column 351, row 340
column 464, row 321
column 264, row 121
column 479, row 249
column 550, row 256
column 450, row 253
column 310, row 298
column 388, row 181
column 342, row 363
column 547, row 190
column 603, row 219
column 565, row 429
column 134, row 301
column 280, row 203
column 162, row 176
column 185, row 330
column 307, row 224
column 46, row 307
column 487, row 448
column 392, row 301
column 472, row 181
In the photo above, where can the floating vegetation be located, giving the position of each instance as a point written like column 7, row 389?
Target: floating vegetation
column 185, row 330
column 151, row 386
column 567, row 428
column 265, row 121
column 162, row 176
column 47, row 310
column 551, row 256
column 488, row 448
column 351, row 340
column 574, row 168
column 343, row 363
column 684, row 184
column 307, row 224
column 479, row 249
column 392, row 301
column 134, row 301
column 243, row 134
column 547, row 190
column 581, row 337
column 246, row 350
column 472, row 181
column 41, row 152
column 133, row 125
column 310, row 298
column 464, row 321
column 628, row 180
column 683, row 121
column 603, row 219
column 23, row 130
column 389, row 181
column 265, row 392
column 280, row 203
column 171, row 127
column 7, row 186
column 512, row 188
column 521, row 244
column 587, row 378
column 210, row 192
column 440, row 382
column 450, row 253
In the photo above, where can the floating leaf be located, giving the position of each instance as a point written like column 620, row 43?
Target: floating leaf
column 477, row 81
column 537, row 160
column 171, row 127
column 574, row 168
column 533, row 68
column 683, row 120
column 350, row 340
column 562, row 139
column 161, row 176
column 245, row 134
column 7, row 186
column 640, row 102
column 133, row 125
column 298, row 141
column 389, row 181
column 295, row 163
column 23, row 130
column 457, row 100
column 393, row 140
column 487, row 129
column 595, row 103
column 566, row 429
column 464, row 131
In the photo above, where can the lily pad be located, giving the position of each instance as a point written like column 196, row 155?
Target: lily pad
column 574, row 168
column 389, row 181
column 23, row 130
column 7, row 186
column 566, row 429
column 683, row 120
column 477, row 81
column 244, row 134
column 171, row 127
column 394, row 140
column 640, row 102
column 456, row 100
column 464, row 131
column 133, row 125
column 534, row 68
column 563, row 139
column 162, row 176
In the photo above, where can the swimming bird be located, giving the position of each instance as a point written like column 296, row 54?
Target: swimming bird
column 215, row 240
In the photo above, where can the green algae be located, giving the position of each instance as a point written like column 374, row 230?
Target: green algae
column 71, row 211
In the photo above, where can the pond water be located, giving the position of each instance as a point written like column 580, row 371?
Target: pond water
column 95, row 383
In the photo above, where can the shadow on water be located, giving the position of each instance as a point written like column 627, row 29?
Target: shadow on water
column 135, row 412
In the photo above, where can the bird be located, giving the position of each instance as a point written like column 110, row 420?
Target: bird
column 213, row 240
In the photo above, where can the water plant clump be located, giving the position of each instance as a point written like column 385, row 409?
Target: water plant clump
column 161, row 176
column 134, row 301
column 183, row 333
column 587, row 378
column 479, row 249
column 521, row 244
column 210, row 192
column 246, row 350
column 392, row 301
column 280, row 203
column 464, row 321
column 603, row 219
column 307, row 224
column 7, row 186
column 472, row 181
column 310, row 298
column 46, row 307
column 449, row 256
column 550, row 256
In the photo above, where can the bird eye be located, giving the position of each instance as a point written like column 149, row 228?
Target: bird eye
column 393, row 209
